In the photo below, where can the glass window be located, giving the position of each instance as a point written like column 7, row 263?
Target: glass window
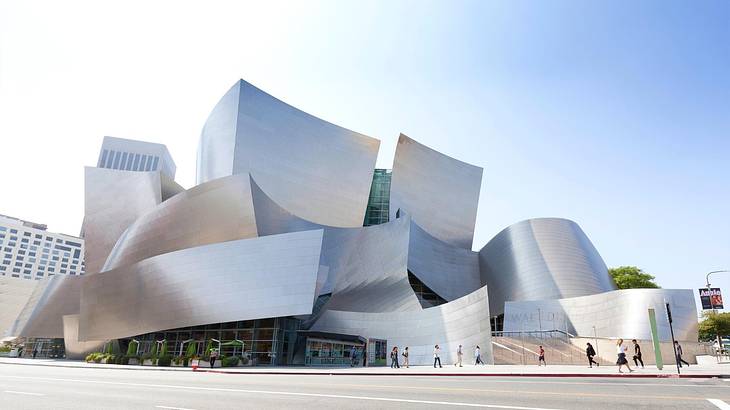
column 148, row 167
column 123, row 162
column 143, row 163
column 109, row 160
column 13, row 231
column 117, row 157
column 155, row 163
column 26, row 233
column 104, row 154
column 135, row 166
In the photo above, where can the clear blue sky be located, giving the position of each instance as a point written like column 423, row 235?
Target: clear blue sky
column 615, row 114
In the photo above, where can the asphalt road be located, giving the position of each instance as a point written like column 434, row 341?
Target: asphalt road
column 37, row 387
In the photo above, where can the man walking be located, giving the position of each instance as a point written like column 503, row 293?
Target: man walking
column 637, row 354
column 459, row 353
column 478, row 356
column 353, row 356
column 541, row 358
column 679, row 354
column 405, row 357
column 591, row 353
column 436, row 357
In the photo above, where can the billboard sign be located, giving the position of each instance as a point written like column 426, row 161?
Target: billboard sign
column 711, row 298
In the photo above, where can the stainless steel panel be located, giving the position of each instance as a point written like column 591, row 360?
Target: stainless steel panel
column 440, row 192
column 620, row 313
column 76, row 350
column 364, row 268
column 217, row 211
column 14, row 295
column 543, row 258
column 237, row 280
column 463, row 321
column 449, row 271
column 315, row 169
column 51, row 299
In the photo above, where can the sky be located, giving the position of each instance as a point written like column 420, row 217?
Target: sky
column 615, row 114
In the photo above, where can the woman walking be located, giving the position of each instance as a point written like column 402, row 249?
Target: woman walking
column 394, row 358
column 591, row 352
column 478, row 356
column 405, row 357
column 621, row 352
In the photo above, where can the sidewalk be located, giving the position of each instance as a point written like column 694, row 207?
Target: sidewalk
column 694, row 371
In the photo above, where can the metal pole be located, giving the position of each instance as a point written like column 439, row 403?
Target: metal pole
column 712, row 306
column 671, row 330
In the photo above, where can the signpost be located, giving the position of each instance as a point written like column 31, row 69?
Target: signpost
column 671, row 330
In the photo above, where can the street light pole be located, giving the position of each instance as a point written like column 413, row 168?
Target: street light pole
column 712, row 307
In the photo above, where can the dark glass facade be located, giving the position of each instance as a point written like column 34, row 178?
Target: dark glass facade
column 426, row 296
column 378, row 203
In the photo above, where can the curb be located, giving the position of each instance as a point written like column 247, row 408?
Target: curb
column 426, row 374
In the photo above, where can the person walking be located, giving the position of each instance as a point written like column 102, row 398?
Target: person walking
column 637, row 354
column 394, row 358
column 35, row 352
column 621, row 353
column 436, row 358
column 478, row 356
column 678, row 348
column 591, row 352
column 459, row 354
column 405, row 357
column 213, row 357
column 353, row 356
column 541, row 357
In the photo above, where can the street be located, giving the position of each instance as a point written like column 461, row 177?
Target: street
column 45, row 387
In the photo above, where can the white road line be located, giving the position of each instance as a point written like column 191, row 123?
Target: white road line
column 283, row 393
column 172, row 408
column 720, row 404
column 24, row 392
column 603, row 382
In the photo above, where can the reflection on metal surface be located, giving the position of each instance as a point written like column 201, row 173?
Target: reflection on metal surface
column 544, row 258
column 246, row 279
column 449, row 271
column 439, row 192
column 620, row 313
column 217, row 211
column 76, row 350
column 52, row 298
column 364, row 268
column 315, row 169
column 114, row 200
column 463, row 321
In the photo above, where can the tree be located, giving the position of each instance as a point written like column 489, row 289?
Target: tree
column 631, row 277
column 712, row 324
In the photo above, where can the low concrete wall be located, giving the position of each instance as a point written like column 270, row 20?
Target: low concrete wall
column 607, row 350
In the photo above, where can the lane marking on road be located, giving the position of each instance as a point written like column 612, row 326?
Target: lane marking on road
column 720, row 404
column 24, row 392
column 285, row 393
column 172, row 408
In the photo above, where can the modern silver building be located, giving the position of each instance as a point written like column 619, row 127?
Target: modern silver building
column 293, row 249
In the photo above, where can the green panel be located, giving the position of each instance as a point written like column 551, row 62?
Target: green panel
column 655, row 339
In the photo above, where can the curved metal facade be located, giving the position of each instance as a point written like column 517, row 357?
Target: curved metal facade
column 439, row 192
column 51, row 299
column 463, row 321
column 113, row 201
column 449, row 271
column 620, row 313
column 217, row 211
column 363, row 268
column 76, row 350
column 544, row 258
column 14, row 295
column 315, row 169
column 237, row 280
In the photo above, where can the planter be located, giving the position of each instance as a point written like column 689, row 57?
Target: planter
column 133, row 361
column 148, row 362
column 206, row 365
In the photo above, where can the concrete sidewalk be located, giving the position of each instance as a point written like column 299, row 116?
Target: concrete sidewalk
column 694, row 371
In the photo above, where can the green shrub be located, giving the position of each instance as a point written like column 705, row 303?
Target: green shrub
column 164, row 360
column 123, row 360
column 244, row 360
column 5, row 349
column 229, row 361
column 97, row 358
column 132, row 349
column 90, row 357
column 192, row 349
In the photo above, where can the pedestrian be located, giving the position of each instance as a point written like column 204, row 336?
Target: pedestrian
column 591, row 352
column 459, row 354
column 637, row 354
column 621, row 352
column 478, row 356
column 436, row 358
column 678, row 348
column 394, row 358
column 405, row 357
column 213, row 357
column 35, row 352
column 541, row 357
